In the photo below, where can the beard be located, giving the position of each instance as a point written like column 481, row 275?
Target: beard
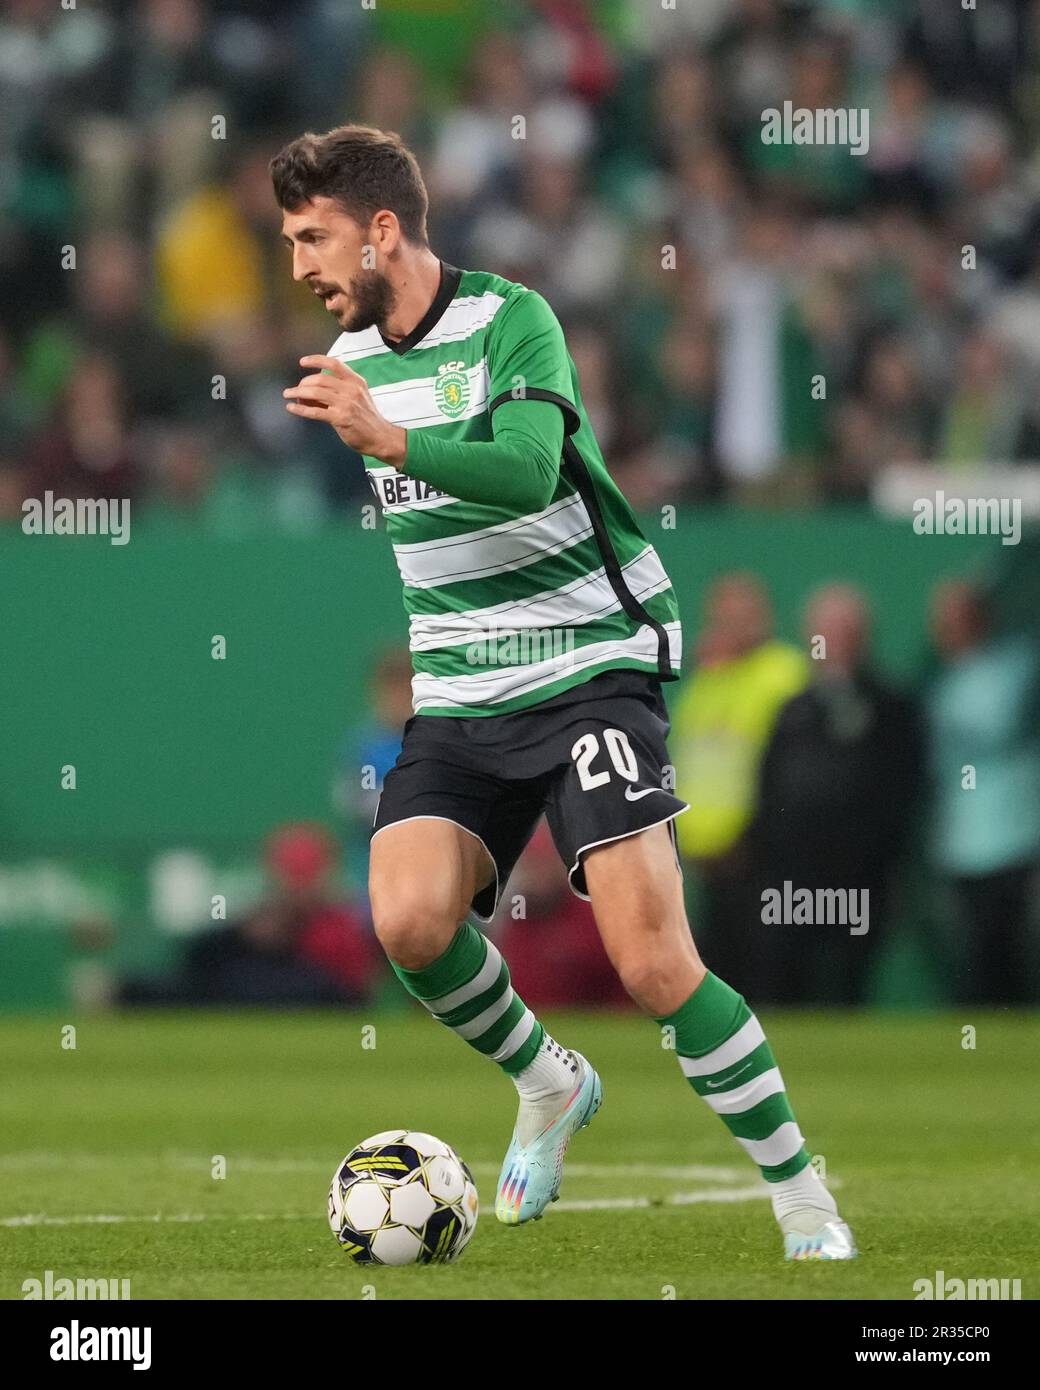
column 371, row 302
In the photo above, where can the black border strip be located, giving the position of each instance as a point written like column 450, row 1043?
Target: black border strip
column 582, row 480
column 571, row 419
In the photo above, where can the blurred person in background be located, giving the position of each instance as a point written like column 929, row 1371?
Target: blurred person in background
column 678, row 461
column 115, row 316
column 723, row 718
column 182, row 462
column 150, row 96
column 752, row 54
column 938, row 315
column 984, row 733
column 475, row 155
column 991, row 197
column 824, row 178
column 290, row 477
column 549, row 936
column 217, row 255
column 837, row 790
column 328, row 48
column 655, row 112
column 984, row 420
column 886, row 418
column 301, row 945
column 969, row 54
column 894, row 394
column 368, row 752
column 110, row 313
column 908, row 141
column 569, row 245
column 392, row 96
column 87, row 449
column 651, row 468
column 709, row 202
column 597, row 373
column 768, row 426
column 1014, row 317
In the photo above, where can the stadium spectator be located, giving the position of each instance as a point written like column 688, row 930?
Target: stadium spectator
column 550, row 939
column 554, row 232
column 111, row 315
column 984, row 715
column 215, row 254
column 985, row 417
column 299, row 946
column 368, row 752
column 837, row 791
column 87, row 451
column 723, row 718
column 766, row 417
column 679, row 461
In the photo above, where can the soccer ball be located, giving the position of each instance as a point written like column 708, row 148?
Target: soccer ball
column 402, row 1197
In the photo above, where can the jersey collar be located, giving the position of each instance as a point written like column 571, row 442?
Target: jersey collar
column 450, row 277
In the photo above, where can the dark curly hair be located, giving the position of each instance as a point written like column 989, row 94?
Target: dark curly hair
column 364, row 169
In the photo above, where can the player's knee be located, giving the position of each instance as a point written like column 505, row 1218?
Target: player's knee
column 645, row 980
column 413, row 926
column 659, row 981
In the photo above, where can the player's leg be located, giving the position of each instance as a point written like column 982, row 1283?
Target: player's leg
column 611, row 815
column 426, row 873
column 644, row 926
column 423, row 875
column 635, row 887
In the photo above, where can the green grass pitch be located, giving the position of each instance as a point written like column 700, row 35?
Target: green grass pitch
column 933, row 1149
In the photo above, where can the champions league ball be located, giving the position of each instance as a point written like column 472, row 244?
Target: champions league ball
column 403, row 1197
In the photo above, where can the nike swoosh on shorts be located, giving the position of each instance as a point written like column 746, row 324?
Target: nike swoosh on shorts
column 637, row 796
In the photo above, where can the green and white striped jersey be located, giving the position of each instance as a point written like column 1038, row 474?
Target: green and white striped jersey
column 508, row 609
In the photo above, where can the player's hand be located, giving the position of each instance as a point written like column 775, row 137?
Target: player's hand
column 341, row 398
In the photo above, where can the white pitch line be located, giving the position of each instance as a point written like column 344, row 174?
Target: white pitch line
column 674, row 1199
column 696, row 1172
column 186, row 1218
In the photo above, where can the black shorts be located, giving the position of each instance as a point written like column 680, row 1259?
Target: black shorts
column 593, row 759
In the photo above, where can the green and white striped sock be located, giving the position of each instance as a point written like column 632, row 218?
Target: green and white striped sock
column 468, row 989
column 726, row 1059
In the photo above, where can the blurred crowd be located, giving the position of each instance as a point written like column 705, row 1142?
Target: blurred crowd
column 804, row 765
column 705, row 279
